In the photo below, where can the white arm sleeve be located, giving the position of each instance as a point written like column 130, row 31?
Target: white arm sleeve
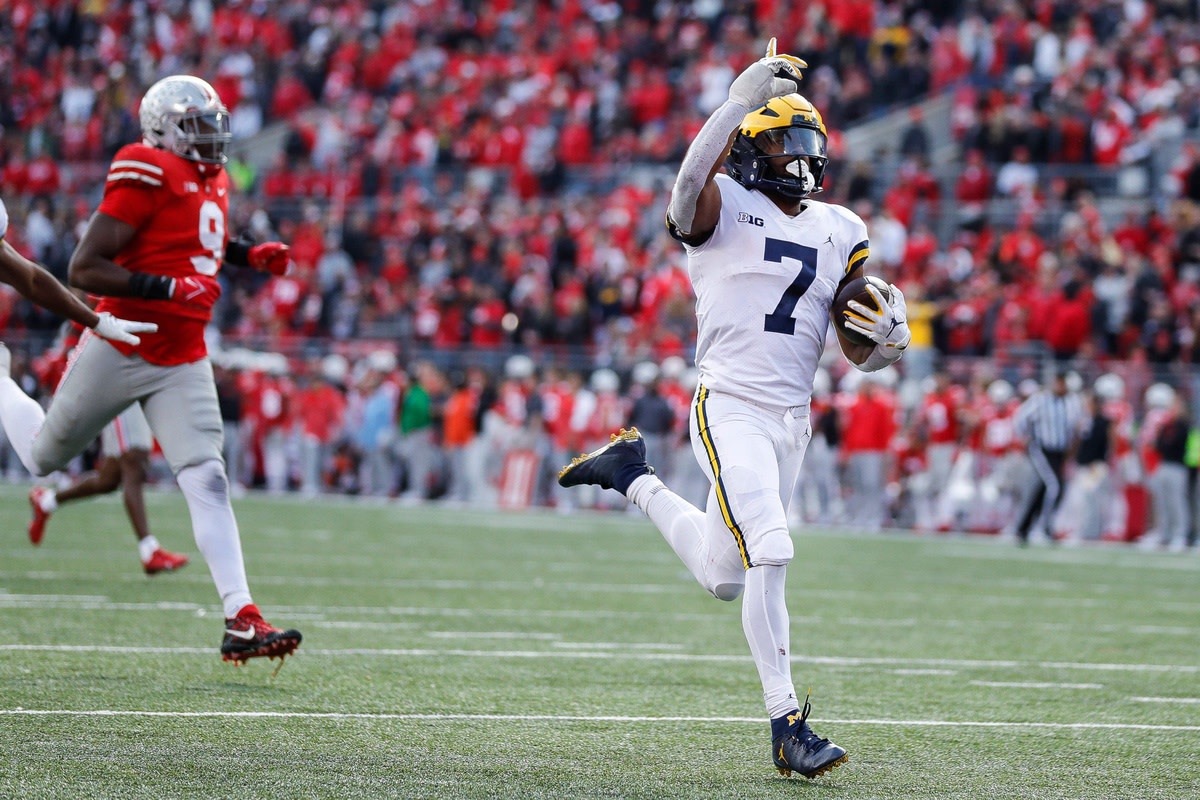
column 4, row 219
column 880, row 357
column 708, row 146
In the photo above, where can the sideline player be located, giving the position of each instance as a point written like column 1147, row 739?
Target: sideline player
column 153, row 249
column 125, row 445
column 765, row 261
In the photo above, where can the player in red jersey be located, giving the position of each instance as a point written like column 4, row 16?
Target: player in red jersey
column 125, row 445
column 153, row 250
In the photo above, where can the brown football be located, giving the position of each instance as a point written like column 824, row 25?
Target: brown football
column 855, row 290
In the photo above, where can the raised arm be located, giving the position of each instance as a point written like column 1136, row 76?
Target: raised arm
column 695, row 203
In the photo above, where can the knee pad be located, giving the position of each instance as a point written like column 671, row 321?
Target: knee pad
column 774, row 548
column 760, row 516
column 206, row 480
column 727, row 591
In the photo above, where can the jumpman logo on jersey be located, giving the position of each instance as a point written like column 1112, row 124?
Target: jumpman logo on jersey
column 829, row 241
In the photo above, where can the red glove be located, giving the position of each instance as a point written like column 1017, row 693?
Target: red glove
column 270, row 257
column 196, row 290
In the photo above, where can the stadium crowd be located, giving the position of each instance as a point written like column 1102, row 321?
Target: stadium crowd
column 479, row 177
column 468, row 174
column 945, row 453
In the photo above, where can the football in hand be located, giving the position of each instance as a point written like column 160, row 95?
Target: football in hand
column 857, row 290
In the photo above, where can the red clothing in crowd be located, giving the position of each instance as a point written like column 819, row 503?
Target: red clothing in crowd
column 1069, row 324
column 940, row 412
column 558, row 403
column 868, row 423
column 321, row 409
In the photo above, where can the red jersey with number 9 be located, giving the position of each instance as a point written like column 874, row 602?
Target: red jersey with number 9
column 179, row 208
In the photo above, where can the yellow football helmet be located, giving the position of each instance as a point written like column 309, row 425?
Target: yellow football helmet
column 787, row 127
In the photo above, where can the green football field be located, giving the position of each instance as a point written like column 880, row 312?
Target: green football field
column 461, row 654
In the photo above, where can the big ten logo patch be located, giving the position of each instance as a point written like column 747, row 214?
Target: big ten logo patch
column 744, row 217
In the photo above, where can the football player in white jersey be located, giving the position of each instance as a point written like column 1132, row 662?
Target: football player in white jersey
column 765, row 260
column 39, row 285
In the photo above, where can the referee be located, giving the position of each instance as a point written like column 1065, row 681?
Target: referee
column 1050, row 422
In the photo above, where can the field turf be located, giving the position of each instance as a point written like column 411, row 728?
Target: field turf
column 462, row 654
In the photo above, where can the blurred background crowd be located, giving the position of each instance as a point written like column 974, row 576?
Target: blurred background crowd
column 474, row 191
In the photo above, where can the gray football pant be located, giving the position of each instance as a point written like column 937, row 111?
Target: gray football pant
column 180, row 403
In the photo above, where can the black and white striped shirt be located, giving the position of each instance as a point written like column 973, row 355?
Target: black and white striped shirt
column 1050, row 421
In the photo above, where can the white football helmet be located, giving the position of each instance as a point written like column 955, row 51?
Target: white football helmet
column 645, row 373
column 335, row 367
column 1000, row 391
column 1109, row 386
column 184, row 115
column 604, row 381
column 1160, row 396
column 519, row 367
column 383, row 361
column 672, row 368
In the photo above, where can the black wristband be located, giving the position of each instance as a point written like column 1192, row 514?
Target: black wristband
column 237, row 252
column 151, row 287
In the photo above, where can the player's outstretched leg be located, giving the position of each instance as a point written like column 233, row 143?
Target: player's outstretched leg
column 795, row 748
column 249, row 636
column 614, row 466
column 20, row 414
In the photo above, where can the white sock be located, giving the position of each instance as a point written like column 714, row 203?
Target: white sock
column 765, row 623
column 680, row 522
column 207, row 492
column 48, row 500
column 642, row 489
column 147, row 547
column 22, row 418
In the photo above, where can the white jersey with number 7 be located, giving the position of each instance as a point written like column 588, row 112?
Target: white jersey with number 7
column 764, row 284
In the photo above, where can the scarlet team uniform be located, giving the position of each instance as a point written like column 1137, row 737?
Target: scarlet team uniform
column 163, row 222
column 129, row 431
column 179, row 208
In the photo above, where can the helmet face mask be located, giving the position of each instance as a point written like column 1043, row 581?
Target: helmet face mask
column 781, row 148
column 184, row 115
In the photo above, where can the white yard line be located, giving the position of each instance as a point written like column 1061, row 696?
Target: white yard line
column 551, row 637
column 1036, row 685
column 906, row 723
column 1180, row 700
column 837, row 661
column 330, row 614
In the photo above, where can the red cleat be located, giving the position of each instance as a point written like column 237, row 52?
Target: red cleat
column 249, row 636
column 37, row 525
column 162, row 561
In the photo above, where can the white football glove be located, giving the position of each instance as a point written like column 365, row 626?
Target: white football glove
column 887, row 327
column 122, row 330
column 771, row 76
